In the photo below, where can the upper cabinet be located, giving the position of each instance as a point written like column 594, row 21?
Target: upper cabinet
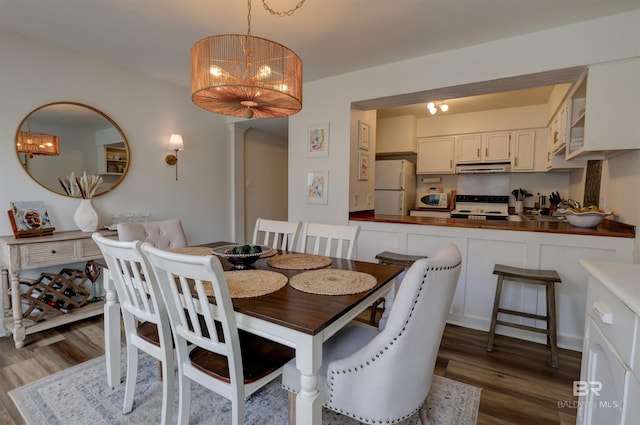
column 559, row 129
column 435, row 155
column 604, row 111
column 396, row 135
column 558, row 134
column 483, row 147
column 523, row 150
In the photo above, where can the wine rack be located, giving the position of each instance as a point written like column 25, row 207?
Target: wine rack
column 55, row 294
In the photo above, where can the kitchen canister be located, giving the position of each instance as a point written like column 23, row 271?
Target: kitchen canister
column 519, row 207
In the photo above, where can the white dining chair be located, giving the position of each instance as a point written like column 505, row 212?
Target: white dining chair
column 144, row 315
column 277, row 234
column 163, row 234
column 227, row 361
column 331, row 240
column 384, row 377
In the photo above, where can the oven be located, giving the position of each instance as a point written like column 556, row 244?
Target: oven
column 481, row 207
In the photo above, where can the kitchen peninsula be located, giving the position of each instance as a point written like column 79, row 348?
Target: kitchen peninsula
column 605, row 228
column 484, row 243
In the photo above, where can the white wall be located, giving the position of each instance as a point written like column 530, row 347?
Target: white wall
column 361, row 191
column 147, row 111
column 265, row 171
column 590, row 42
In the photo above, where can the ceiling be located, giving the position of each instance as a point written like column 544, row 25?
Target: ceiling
column 463, row 105
column 332, row 37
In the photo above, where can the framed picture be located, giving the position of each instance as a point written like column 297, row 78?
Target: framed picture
column 29, row 218
column 363, row 135
column 317, row 186
column 318, row 140
column 363, row 166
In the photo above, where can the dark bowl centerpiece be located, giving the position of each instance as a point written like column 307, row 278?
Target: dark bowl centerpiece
column 242, row 256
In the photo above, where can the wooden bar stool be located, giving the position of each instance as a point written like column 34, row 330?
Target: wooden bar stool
column 548, row 278
column 393, row 259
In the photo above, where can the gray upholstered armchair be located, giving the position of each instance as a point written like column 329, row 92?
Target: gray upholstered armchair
column 384, row 377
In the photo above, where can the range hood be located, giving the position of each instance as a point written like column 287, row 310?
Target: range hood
column 498, row 167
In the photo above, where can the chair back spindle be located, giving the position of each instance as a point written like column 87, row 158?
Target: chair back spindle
column 330, row 240
column 277, row 234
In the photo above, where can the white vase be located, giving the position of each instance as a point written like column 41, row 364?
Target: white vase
column 86, row 217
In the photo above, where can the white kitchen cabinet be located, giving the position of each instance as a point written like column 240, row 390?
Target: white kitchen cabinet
column 604, row 111
column 559, row 129
column 603, row 382
column 557, row 161
column 523, row 150
column 468, row 148
column 496, row 146
column 396, row 135
column 558, row 135
column 608, row 391
column 482, row 147
column 577, row 114
column 435, row 155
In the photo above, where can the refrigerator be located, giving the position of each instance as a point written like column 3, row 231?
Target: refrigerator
column 395, row 187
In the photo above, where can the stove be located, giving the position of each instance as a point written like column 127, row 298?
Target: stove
column 481, row 207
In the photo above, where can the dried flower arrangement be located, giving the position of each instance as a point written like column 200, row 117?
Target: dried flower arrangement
column 84, row 186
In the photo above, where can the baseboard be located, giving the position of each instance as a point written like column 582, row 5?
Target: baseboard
column 567, row 342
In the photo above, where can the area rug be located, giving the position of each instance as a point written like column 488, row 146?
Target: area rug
column 80, row 396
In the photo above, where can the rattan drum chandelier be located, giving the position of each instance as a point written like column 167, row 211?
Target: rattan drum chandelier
column 32, row 143
column 246, row 76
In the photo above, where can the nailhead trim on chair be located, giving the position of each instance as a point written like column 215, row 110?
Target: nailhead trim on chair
column 373, row 359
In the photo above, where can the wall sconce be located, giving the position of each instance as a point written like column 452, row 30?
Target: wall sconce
column 175, row 144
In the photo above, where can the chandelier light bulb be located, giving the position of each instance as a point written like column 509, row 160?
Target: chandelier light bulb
column 444, row 107
column 263, row 72
column 215, row 71
column 431, row 106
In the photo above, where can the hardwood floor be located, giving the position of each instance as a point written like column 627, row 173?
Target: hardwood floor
column 518, row 384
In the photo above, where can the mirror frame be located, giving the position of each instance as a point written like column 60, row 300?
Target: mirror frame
column 91, row 108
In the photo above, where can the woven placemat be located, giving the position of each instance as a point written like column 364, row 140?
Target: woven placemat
column 269, row 253
column 192, row 250
column 333, row 282
column 299, row 261
column 250, row 283
column 242, row 283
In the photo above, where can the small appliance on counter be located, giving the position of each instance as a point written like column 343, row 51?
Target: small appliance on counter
column 395, row 187
column 482, row 207
column 434, row 199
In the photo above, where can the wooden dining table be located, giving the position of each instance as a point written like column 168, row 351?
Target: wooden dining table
column 301, row 320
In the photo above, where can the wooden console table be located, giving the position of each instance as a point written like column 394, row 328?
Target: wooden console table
column 58, row 249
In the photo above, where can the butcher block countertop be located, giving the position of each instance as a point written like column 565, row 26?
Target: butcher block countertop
column 605, row 228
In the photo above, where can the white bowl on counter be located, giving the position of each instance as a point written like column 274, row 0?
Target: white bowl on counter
column 585, row 219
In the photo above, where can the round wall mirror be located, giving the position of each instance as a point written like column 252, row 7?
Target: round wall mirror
column 61, row 138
